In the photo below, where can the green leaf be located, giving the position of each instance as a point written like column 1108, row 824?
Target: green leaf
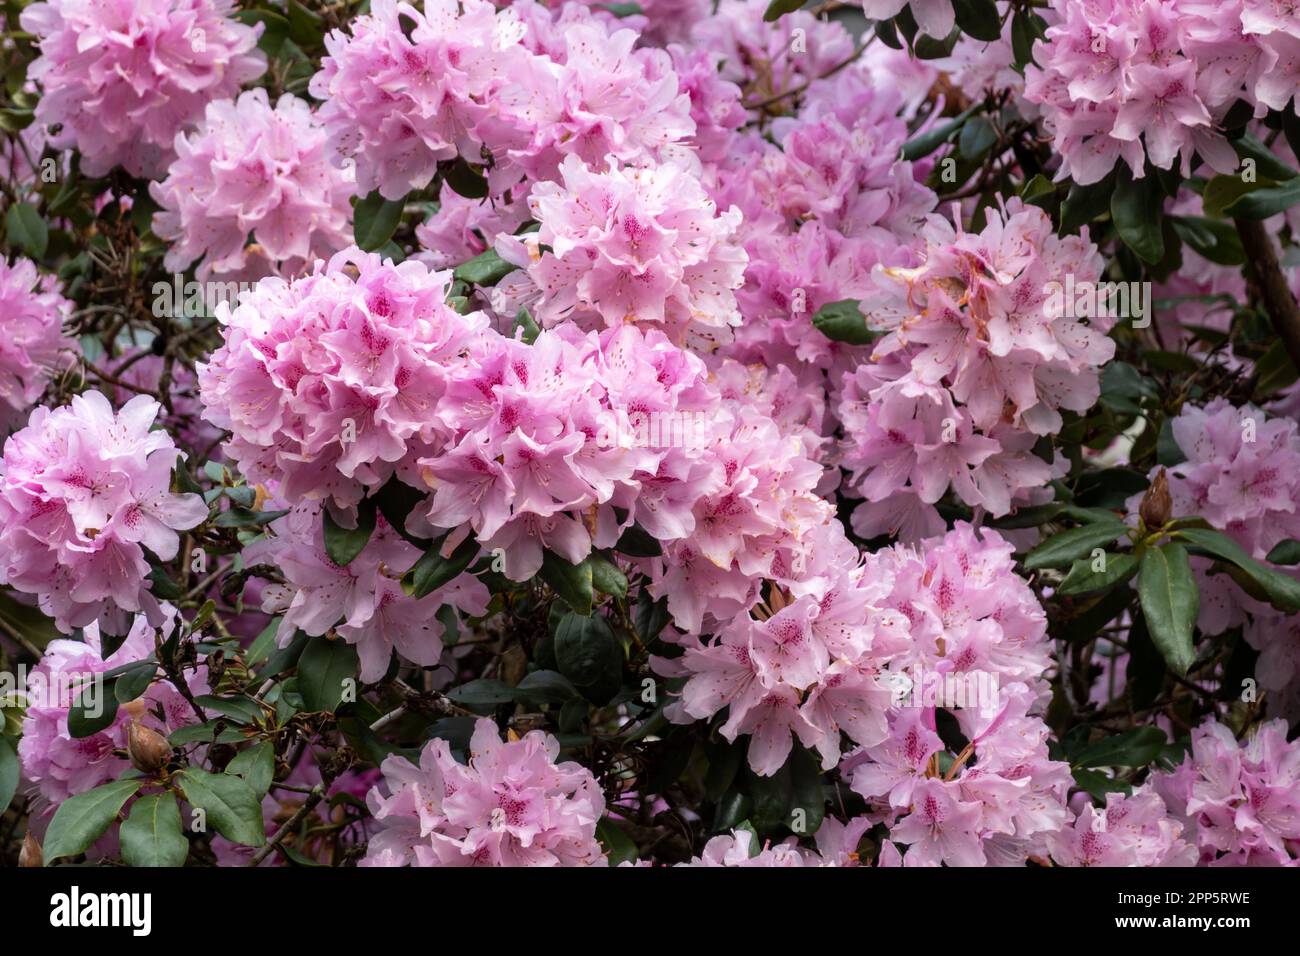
column 618, row 846
column 927, row 142
column 1248, row 147
column 375, row 219
column 466, row 180
column 432, row 570
column 1133, row 748
column 134, row 681
column 527, row 325
column 1222, row 191
column 93, row 709
column 978, row 18
column 81, row 820
column 1068, row 546
column 1212, row 239
column 587, row 653
column 27, row 621
column 1026, row 27
column 1083, row 204
column 1137, row 209
column 26, row 230
column 1285, row 552
column 570, row 581
column 240, row 709
column 233, row 809
column 344, row 544
column 8, row 771
column 1281, row 590
column 1265, row 203
column 843, row 321
column 256, row 765
column 546, row 687
column 1082, row 579
column 638, row 543
column 323, row 669
column 771, row 797
column 151, row 835
column 485, row 269
column 807, row 798
column 651, row 616
column 482, row 692
column 607, row 578
column 977, row 137
column 1170, row 603
column 779, row 8
column 1097, row 784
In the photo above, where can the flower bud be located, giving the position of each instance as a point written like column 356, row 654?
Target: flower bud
column 148, row 749
column 1156, row 503
column 30, row 854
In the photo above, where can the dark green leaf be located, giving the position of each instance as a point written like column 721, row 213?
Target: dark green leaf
column 26, row 230
column 324, row 670
column 779, row 8
column 432, row 570
column 978, row 18
column 151, row 835
column 343, row 544
column 256, row 765
column 570, row 581
column 232, row 808
column 546, row 687
column 1133, row 748
column 1285, row 552
column 1267, row 202
column 466, row 180
column 79, row 821
column 843, row 321
column 618, row 846
column 638, row 543
column 134, row 681
column 93, row 709
column 1170, row 603
column 483, row 692
column 587, row 653
column 8, row 771
column 1137, row 209
column 1082, row 579
column 1068, row 546
column 1281, row 590
column 607, row 578
column 485, row 269
column 375, row 220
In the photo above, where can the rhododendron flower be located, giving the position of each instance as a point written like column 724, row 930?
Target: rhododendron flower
column 1130, row 831
column 32, row 313
column 1239, row 800
column 510, row 805
column 253, row 173
column 366, row 595
column 61, row 765
column 328, row 382
column 83, row 491
column 123, row 77
column 634, row 245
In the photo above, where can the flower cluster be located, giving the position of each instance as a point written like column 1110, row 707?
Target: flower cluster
column 983, row 349
column 1121, row 80
column 1242, row 474
column 468, row 80
column 1134, row 830
column 836, row 846
column 633, row 245
column 1239, row 801
column 62, row 766
column 83, row 491
column 328, row 382
column 366, row 594
column 33, row 311
column 123, row 77
column 253, row 171
column 510, row 805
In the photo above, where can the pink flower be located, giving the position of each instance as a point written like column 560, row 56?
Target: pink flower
column 1131, row 831
column 83, row 490
column 63, row 766
column 33, row 313
column 329, row 382
column 123, row 77
column 941, row 829
column 253, row 173
column 510, row 805
column 634, row 245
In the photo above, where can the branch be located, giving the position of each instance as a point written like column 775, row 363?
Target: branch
column 1262, row 262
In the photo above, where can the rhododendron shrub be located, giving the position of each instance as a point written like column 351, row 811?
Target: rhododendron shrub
column 676, row 434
